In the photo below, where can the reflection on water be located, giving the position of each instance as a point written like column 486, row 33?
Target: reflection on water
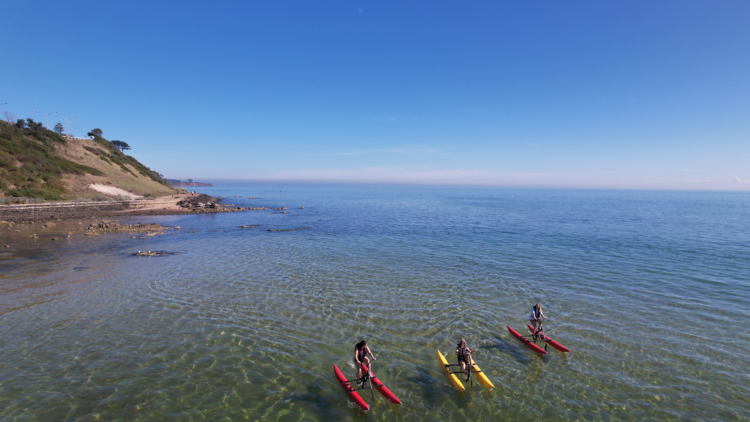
column 246, row 323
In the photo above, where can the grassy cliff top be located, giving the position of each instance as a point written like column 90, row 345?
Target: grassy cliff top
column 38, row 163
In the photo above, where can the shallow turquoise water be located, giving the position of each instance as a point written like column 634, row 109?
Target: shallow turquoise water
column 650, row 290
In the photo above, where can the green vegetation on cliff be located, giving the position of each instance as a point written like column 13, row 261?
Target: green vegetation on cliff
column 38, row 163
column 110, row 153
column 29, row 165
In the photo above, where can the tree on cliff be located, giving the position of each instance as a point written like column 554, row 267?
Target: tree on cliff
column 97, row 132
column 122, row 146
column 59, row 128
column 33, row 125
column 10, row 116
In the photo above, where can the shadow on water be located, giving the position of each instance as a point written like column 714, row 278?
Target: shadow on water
column 427, row 385
column 320, row 404
column 462, row 399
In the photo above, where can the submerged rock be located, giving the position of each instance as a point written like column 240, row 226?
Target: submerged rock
column 154, row 253
column 289, row 230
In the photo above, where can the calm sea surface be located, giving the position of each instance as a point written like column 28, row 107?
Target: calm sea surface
column 650, row 291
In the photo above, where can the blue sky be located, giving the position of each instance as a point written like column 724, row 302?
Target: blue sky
column 544, row 93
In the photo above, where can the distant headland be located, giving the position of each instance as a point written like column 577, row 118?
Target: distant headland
column 186, row 183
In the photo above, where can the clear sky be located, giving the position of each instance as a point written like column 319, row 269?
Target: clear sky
column 630, row 94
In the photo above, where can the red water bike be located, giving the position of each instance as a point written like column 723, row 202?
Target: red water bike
column 535, row 337
column 367, row 382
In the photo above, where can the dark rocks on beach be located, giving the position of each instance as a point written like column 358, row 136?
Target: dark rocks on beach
column 199, row 201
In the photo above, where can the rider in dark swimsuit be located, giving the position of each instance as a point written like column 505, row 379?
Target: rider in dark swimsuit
column 536, row 317
column 463, row 354
column 361, row 350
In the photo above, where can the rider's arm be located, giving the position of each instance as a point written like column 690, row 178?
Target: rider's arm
column 370, row 352
column 356, row 357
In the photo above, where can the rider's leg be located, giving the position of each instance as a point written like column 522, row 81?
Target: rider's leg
column 365, row 364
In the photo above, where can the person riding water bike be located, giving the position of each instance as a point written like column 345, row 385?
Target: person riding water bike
column 361, row 350
column 536, row 318
column 463, row 354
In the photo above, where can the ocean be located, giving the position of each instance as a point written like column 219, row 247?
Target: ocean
column 649, row 289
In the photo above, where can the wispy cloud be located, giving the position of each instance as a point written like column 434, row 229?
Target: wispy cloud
column 405, row 150
column 463, row 177
column 386, row 175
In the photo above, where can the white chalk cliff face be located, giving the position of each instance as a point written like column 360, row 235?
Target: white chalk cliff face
column 113, row 191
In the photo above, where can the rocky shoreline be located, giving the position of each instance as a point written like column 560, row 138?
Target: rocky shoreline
column 193, row 204
column 41, row 226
